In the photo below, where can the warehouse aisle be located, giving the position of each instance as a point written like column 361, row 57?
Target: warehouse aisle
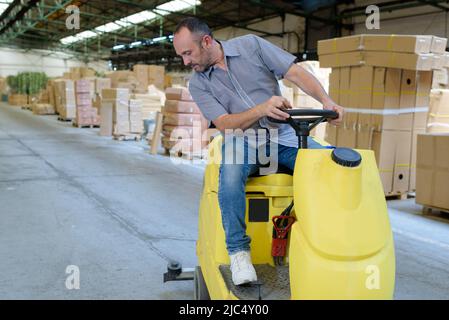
column 70, row 197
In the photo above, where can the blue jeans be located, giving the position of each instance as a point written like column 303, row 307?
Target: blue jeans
column 232, row 182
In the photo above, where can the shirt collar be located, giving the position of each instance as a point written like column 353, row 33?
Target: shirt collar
column 229, row 51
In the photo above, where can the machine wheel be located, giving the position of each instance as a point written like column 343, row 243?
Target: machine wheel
column 200, row 291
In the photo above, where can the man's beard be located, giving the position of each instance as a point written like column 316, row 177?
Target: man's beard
column 202, row 66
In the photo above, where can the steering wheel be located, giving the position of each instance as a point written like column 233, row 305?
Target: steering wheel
column 304, row 120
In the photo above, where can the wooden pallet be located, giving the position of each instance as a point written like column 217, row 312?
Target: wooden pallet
column 398, row 196
column 65, row 119
column 183, row 155
column 127, row 137
column 428, row 210
column 91, row 126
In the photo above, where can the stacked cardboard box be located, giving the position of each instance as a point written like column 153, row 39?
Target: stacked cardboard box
column 384, row 83
column 120, row 76
column 183, row 124
column 433, row 170
column 65, row 101
column 156, row 76
column 102, row 83
column 15, row 99
column 3, row 85
column 43, row 108
column 114, row 112
column 391, row 51
column 77, row 73
column 135, row 116
column 51, row 93
column 438, row 118
column 149, row 75
column 86, row 115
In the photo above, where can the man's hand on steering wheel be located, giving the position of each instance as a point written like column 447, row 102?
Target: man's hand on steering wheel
column 273, row 108
column 330, row 105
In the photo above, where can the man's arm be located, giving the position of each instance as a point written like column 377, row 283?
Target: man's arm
column 310, row 85
column 243, row 120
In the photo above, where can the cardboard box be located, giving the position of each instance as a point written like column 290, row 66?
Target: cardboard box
column 177, row 106
column 399, row 60
column 351, row 117
column 121, row 94
column 106, row 124
column 402, row 161
column 423, row 88
column 156, row 76
column 438, row 116
column 141, row 73
column 386, row 88
column 82, row 86
column 343, row 44
column 185, row 132
column 17, row 99
column 178, row 94
column 184, row 146
column 441, row 77
column 83, row 99
column 412, row 183
column 345, row 77
column 331, row 134
column 432, row 173
column 43, row 109
column 182, row 119
column 438, row 45
column 121, row 127
column 347, row 136
column 384, row 147
column 334, row 85
column 67, row 112
column 344, row 59
column 102, row 83
column 376, row 42
column 364, row 104
column 397, row 43
column 407, row 100
column 409, row 61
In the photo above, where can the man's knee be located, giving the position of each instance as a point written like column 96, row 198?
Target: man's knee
column 233, row 174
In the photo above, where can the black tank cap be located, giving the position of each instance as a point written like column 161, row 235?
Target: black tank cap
column 346, row 157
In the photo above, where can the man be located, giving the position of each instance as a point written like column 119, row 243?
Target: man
column 235, row 84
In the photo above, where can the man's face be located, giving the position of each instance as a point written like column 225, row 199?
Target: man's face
column 193, row 50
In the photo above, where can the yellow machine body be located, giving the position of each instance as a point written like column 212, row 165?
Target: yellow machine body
column 340, row 247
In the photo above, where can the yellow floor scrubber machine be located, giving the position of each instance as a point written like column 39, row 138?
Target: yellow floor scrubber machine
column 321, row 232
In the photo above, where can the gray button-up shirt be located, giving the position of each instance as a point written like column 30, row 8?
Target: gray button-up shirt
column 254, row 66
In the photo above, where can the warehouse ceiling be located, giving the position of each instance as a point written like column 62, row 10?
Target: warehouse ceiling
column 139, row 30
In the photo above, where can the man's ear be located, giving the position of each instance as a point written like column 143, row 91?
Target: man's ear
column 206, row 42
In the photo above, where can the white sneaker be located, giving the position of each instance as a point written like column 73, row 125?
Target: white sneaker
column 242, row 268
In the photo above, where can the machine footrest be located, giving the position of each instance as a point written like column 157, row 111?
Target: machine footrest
column 274, row 283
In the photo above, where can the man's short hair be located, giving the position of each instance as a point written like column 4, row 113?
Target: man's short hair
column 195, row 26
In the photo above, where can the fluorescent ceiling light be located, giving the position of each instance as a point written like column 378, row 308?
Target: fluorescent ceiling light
column 136, row 44
column 112, row 26
column 118, row 47
column 78, row 37
column 4, row 4
column 139, row 17
column 176, row 5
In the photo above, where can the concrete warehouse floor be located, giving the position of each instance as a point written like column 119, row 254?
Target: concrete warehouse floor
column 71, row 197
